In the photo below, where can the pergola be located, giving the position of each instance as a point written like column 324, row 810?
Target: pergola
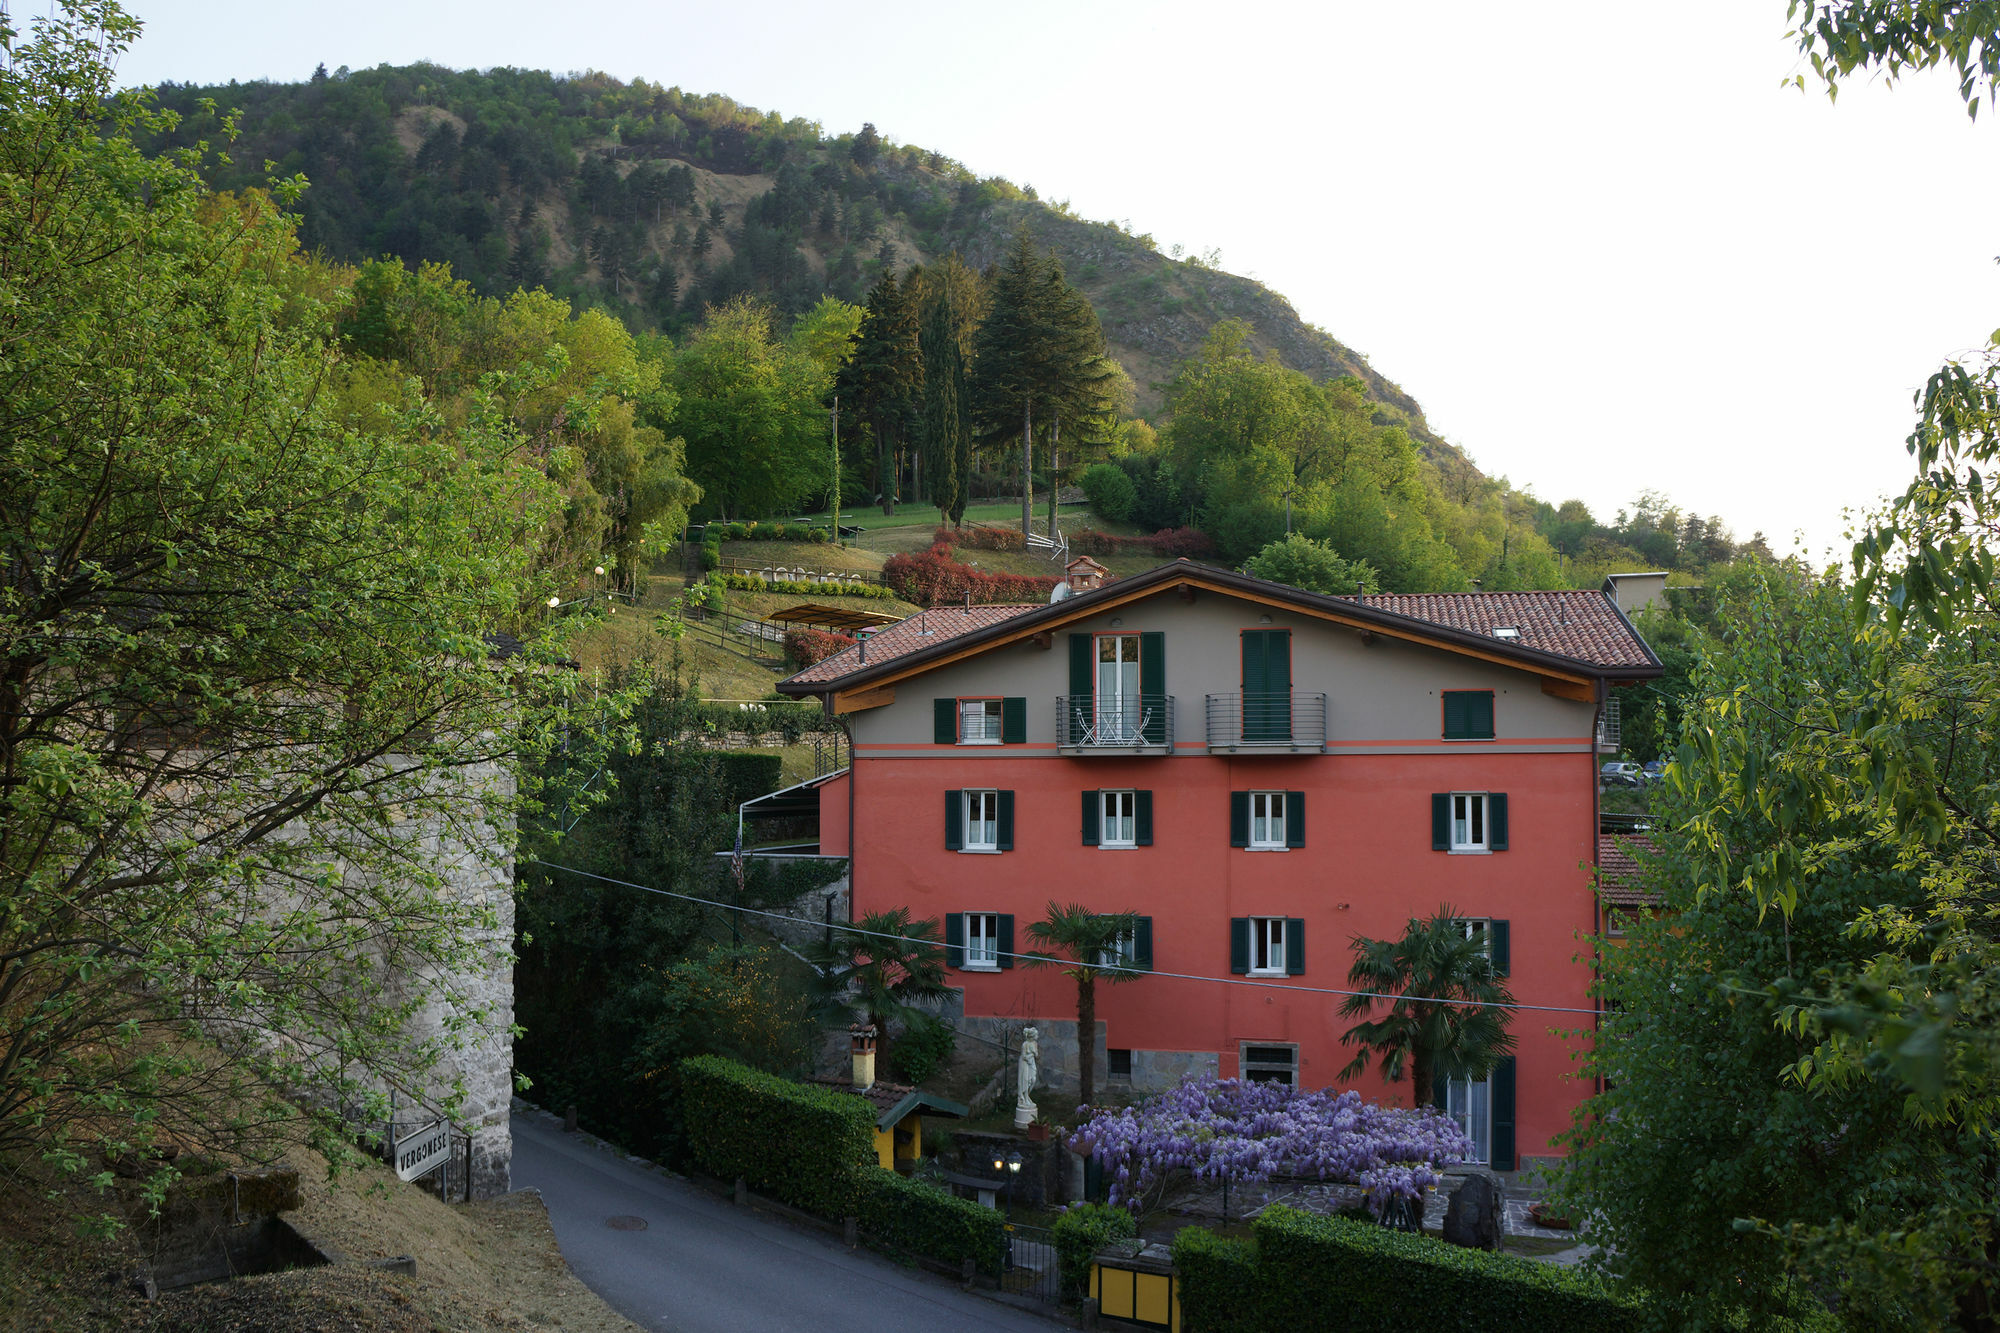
column 838, row 619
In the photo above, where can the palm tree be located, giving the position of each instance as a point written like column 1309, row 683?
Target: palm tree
column 1090, row 946
column 891, row 961
column 1443, row 1023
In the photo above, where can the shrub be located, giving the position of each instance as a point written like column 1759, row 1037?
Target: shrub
column 981, row 537
column 1110, row 491
column 808, row 587
column 808, row 647
column 934, row 578
column 1218, row 1282
column 925, row 1044
column 917, row 1217
column 1169, row 544
column 738, row 532
column 1308, row 1266
column 801, row 1144
column 747, row 775
column 1082, row 1232
column 711, row 553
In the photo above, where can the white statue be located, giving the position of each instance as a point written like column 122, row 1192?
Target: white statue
column 1024, row 1106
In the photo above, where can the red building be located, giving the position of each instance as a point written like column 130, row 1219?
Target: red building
column 1262, row 775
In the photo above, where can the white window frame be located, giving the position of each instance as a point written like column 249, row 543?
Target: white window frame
column 1123, row 953
column 1273, row 803
column 1249, row 1069
column 988, row 712
column 1267, row 936
column 1469, row 1102
column 1478, row 928
column 1477, row 818
column 985, row 928
column 1107, row 821
column 975, row 798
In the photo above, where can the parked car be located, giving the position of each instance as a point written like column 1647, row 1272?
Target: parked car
column 1653, row 771
column 1619, row 774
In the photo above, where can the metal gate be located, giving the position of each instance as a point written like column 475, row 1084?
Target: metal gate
column 1030, row 1267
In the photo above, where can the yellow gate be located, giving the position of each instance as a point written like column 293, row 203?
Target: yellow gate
column 1142, row 1288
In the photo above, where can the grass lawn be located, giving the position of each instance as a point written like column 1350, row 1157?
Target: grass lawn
column 924, row 515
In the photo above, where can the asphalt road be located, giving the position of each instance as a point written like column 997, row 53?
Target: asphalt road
column 703, row 1265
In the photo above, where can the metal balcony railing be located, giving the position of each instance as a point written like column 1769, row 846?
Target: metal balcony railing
column 1087, row 724
column 1610, row 727
column 1277, row 721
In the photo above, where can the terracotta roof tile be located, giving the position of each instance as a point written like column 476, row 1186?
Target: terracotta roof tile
column 1620, row 879
column 884, row 1097
column 1580, row 624
column 922, row 630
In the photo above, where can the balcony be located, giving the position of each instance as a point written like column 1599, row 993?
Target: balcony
column 1134, row 724
column 1610, row 728
column 1267, row 722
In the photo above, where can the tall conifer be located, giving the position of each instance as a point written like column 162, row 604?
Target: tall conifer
column 882, row 378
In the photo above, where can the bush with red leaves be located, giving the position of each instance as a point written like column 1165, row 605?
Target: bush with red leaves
column 935, row 579
column 810, row 646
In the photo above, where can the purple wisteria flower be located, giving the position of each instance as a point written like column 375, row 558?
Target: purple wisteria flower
column 1225, row 1130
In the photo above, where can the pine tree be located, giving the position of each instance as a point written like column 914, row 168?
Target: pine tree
column 883, row 377
column 1007, row 374
column 947, row 431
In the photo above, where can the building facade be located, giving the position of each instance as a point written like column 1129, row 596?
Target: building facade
column 1261, row 775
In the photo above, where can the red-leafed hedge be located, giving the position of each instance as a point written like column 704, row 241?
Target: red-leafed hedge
column 934, row 579
column 810, row 646
column 1168, row 544
column 982, row 537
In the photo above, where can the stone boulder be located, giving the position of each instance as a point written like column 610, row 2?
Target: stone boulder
column 1476, row 1217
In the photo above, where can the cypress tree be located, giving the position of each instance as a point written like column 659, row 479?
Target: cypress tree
column 947, row 437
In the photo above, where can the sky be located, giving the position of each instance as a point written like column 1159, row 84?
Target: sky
column 1604, row 245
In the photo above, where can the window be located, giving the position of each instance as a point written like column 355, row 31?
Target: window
column 978, row 721
column 1267, row 946
column 1118, row 1066
column 982, row 821
column 1470, row 1103
column 1269, row 1063
column 1132, row 949
column 1267, row 820
column 1118, row 709
column 1118, row 825
column 1468, row 715
column 982, row 940
column 1469, row 821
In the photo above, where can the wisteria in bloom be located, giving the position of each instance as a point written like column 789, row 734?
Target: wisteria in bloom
column 1226, row 1130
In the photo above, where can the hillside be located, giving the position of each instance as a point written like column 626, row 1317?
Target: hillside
column 654, row 203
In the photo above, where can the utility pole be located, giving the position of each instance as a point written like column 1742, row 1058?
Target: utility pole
column 836, row 470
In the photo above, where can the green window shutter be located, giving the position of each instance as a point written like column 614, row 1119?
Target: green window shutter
column 954, row 939
column 944, row 721
column 1006, row 939
column 1500, row 1085
column 1454, row 715
column 1479, row 714
column 1093, row 805
column 1496, row 821
column 1142, row 818
column 1295, row 819
column 1295, row 946
column 1142, row 943
column 1082, row 664
column 954, row 820
column 1006, row 821
column 1239, row 945
column 1013, row 721
column 1440, row 821
column 1239, row 819
column 1498, row 946
column 1153, row 685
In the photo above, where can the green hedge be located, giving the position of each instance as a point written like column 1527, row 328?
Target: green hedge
column 917, row 1217
column 1082, row 1232
column 799, row 1143
column 808, row 587
column 1333, row 1273
column 1219, row 1292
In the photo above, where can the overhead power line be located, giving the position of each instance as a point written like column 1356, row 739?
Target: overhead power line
column 1287, row 987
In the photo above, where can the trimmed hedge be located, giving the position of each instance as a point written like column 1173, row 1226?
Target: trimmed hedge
column 1082, row 1232
column 808, row 647
column 813, row 587
column 917, row 1217
column 801, row 1144
column 934, row 578
column 1218, row 1282
column 1310, row 1272
column 711, row 553
column 981, row 537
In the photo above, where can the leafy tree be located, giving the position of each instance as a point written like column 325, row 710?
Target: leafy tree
column 1089, row 947
column 1442, row 1022
column 750, row 412
column 1110, row 492
column 245, row 686
column 890, row 964
column 1304, row 563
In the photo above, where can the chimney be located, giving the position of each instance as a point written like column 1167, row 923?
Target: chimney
column 862, row 1040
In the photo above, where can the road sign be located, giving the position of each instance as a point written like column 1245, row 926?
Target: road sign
column 424, row 1151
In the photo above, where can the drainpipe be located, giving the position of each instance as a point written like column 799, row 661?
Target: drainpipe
column 1596, row 837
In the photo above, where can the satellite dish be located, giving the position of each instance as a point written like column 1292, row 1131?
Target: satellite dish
column 1059, row 592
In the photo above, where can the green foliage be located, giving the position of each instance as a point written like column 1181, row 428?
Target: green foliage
column 809, row 587
column 1843, row 37
column 744, row 776
column 887, row 964
column 1219, row 1286
column 1110, row 491
column 1331, row 1272
column 924, row 1047
column 249, row 690
column 1083, row 1230
column 1464, row 1037
column 1304, row 563
column 1086, row 946
column 916, row 1217
column 802, row 1144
